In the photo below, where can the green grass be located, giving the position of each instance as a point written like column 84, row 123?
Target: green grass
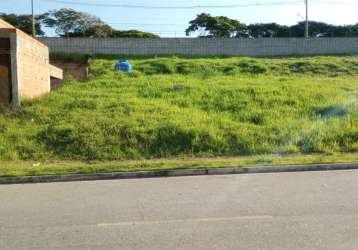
column 191, row 107
column 32, row 168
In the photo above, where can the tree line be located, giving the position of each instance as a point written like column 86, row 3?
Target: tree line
column 70, row 23
column 206, row 25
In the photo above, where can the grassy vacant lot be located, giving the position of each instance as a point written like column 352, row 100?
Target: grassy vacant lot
column 197, row 107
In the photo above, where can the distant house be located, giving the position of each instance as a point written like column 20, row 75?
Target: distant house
column 25, row 70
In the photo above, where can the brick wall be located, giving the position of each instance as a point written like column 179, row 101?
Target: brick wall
column 204, row 47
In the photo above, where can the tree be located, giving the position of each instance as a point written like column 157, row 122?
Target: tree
column 268, row 30
column 314, row 28
column 24, row 22
column 322, row 28
column 97, row 30
column 220, row 26
column 210, row 26
column 71, row 23
column 353, row 30
column 133, row 34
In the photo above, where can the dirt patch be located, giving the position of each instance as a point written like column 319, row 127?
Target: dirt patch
column 79, row 71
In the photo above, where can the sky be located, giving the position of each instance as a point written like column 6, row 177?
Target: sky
column 173, row 22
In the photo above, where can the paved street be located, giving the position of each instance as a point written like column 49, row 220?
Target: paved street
column 312, row 210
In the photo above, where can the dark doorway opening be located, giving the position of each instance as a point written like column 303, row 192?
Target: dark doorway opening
column 5, row 71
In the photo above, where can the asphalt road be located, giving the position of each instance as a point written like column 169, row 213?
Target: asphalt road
column 312, row 210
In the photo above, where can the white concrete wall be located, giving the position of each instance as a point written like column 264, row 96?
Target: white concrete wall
column 204, row 46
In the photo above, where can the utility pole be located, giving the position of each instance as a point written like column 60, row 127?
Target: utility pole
column 306, row 25
column 33, row 19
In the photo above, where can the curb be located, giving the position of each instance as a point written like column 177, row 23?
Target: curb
column 176, row 173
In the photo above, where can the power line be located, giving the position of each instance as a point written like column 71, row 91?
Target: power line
column 96, row 4
column 173, row 7
column 150, row 24
column 154, row 18
column 335, row 2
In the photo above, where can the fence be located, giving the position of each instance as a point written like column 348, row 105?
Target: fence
column 204, row 46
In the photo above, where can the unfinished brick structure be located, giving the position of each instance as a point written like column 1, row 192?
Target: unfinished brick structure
column 25, row 71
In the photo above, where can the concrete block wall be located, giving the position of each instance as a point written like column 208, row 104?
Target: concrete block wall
column 203, row 46
column 30, row 67
column 33, row 66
